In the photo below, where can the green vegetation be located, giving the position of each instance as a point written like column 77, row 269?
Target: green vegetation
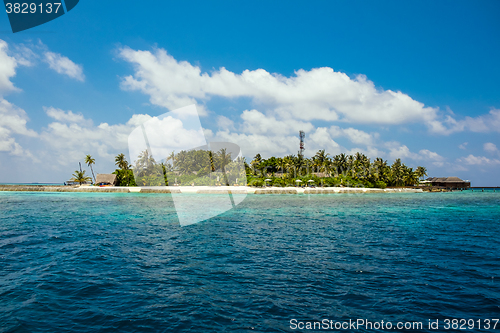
column 124, row 175
column 202, row 167
column 79, row 177
column 194, row 167
column 90, row 161
column 322, row 170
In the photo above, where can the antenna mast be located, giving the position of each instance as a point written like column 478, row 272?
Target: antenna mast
column 302, row 136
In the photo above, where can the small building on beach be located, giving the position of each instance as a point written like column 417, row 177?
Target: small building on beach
column 105, row 179
column 449, row 182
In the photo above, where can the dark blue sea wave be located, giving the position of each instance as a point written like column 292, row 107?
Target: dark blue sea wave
column 75, row 262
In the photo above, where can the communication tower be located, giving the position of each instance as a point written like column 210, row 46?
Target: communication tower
column 302, row 135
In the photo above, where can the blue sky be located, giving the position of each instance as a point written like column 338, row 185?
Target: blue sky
column 415, row 80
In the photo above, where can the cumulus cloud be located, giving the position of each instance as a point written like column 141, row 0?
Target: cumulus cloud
column 308, row 95
column 24, row 55
column 225, row 123
column 29, row 55
column 463, row 145
column 478, row 160
column 8, row 66
column 266, row 145
column 63, row 65
column 491, row 148
column 65, row 116
column 481, row 124
column 402, row 151
column 71, row 134
column 354, row 135
column 13, row 119
column 13, row 122
column 320, row 93
column 256, row 122
column 286, row 104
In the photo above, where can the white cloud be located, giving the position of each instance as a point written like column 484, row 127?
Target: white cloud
column 256, row 122
column 225, row 123
column 478, row 160
column 402, row 151
column 29, row 55
column 24, row 55
column 320, row 93
column 65, row 117
column 274, row 136
column 491, row 148
column 12, row 123
column 8, row 66
column 430, row 155
column 481, row 124
column 354, row 135
column 63, row 65
column 13, row 119
column 70, row 136
column 321, row 139
column 316, row 94
column 266, row 145
column 463, row 145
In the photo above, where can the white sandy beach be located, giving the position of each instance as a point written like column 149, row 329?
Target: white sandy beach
column 206, row 189
column 266, row 190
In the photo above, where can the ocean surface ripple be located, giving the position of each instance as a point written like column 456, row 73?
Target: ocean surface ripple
column 77, row 262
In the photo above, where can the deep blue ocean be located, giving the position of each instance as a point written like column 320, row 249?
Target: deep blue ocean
column 84, row 262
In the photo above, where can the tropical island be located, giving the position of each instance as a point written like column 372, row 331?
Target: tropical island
column 207, row 168
column 205, row 171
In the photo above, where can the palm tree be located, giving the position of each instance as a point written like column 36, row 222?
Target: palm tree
column 79, row 177
column 89, row 161
column 398, row 172
column 121, row 162
column 421, row 172
column 256, row 161
column 321, row 160
column 280, row 165
column 224, row 158
column 171, row 157
column 361, row 166
column 289, row 162
column 411, row 177
column 340, row 163
column 380, row 170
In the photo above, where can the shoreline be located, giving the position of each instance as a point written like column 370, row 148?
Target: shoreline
column 204, row 189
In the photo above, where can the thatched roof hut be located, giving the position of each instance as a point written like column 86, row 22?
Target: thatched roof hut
column 105, row 179
column 449, row 182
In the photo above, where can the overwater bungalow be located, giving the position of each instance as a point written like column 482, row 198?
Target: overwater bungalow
column 449, row 182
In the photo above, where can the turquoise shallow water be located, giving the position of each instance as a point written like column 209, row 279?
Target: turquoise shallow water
column 83, row 262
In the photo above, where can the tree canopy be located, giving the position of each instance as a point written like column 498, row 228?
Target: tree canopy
column 204, row 167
